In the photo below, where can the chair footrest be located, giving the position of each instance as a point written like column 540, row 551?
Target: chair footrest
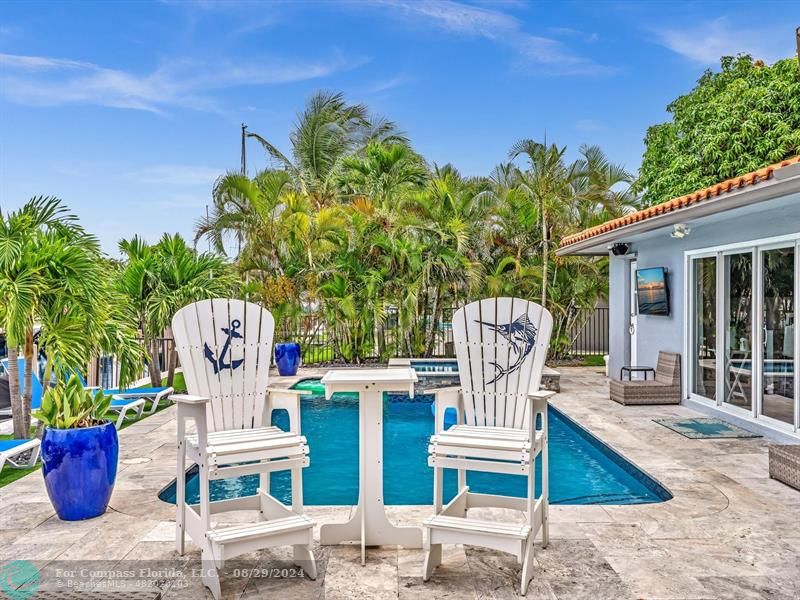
column 517, row 531
column 239, row 533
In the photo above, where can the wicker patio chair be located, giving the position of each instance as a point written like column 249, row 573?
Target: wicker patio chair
column 784, row 464
column 665, row 389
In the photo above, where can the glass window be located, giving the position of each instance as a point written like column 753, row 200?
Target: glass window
column 777, row 400
column 704, row 375
column 738, row 297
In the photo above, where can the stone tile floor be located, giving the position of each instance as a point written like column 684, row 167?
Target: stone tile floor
column 729, row 532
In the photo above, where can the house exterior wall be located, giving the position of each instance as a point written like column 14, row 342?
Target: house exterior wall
column 656, row 333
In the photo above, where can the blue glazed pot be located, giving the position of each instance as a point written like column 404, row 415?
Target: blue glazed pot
column 287, row 358
column 80, row 467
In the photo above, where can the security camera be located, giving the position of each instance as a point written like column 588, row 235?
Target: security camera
column 619, row 249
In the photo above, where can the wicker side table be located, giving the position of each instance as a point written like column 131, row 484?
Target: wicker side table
column 784, row 464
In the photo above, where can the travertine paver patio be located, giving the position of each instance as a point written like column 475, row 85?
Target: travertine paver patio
column 730, row 531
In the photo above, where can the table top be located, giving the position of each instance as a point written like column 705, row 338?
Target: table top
column 376, row 376
column 634, row 368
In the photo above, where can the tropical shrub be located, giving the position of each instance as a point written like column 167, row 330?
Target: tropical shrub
column 358, row 237
column 742, row 118
column 53, row 274
column 157, row 280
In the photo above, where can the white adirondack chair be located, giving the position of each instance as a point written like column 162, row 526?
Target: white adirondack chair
column 225, row 348
column 501, row 427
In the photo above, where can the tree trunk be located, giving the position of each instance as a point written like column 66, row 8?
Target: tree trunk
column 13, row 387
column 434, row 329
column 28, row 352
column 152, row 364
column 545, row 255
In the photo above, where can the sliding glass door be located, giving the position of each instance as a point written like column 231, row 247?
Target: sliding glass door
column 704, row 327
column 777, row 321
column 742, row 330
column 738, row 329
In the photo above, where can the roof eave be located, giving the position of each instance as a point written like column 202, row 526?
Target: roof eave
column 767, row 190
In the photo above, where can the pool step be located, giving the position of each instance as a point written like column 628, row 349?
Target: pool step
column 290, row 530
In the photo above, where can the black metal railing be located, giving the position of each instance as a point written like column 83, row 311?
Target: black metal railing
column 588, row 335
column 589, row 332
column 108, row 368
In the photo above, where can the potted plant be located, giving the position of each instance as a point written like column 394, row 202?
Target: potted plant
column 79, row 450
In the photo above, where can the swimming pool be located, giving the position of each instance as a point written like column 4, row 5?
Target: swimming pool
column 583, row 470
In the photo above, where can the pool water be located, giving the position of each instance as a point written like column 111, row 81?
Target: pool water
column 770, row 366
column 583, row 470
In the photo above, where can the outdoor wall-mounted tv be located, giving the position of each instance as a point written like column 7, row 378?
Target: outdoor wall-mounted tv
column 652, row 292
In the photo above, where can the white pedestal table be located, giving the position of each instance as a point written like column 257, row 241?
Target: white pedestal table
column 369, row 524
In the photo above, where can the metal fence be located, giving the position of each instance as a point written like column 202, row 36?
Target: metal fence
column 589, row 334
column 321, row 344
column 108, row 368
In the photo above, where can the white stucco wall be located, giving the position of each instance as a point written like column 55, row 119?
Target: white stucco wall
column 658, row 249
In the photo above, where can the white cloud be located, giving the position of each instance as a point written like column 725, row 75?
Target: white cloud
column 549, row 55
column 705, row 43
column 48, row 81
column 388, row 84
column 177, row 174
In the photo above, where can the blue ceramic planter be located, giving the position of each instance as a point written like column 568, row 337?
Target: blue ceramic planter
column 80, row 467
column 287, row 358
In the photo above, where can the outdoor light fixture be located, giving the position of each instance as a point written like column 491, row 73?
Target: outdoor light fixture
column 680, row 231
column 619, row 249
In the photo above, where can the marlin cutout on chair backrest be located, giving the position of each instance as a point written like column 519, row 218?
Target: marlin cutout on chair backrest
column 225, row 349
column 501, row 346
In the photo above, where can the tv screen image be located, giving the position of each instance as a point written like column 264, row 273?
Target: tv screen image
column 651, row 291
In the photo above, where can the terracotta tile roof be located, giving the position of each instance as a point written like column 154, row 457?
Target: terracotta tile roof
column 681, row 202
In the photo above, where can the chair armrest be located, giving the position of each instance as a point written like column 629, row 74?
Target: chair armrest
column 538, row 401
column 191, row 407
column 189, row 399
column 273, row 390
column 288, row 399
column 444, row 398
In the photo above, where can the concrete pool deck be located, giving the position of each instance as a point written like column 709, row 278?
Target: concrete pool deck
column 729, row 532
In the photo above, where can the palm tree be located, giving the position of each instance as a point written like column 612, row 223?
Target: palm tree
column 158, row 280
column 384, row 174
column 546, row 180
column 248, row 210
column 327, row 131
column 51, row 273
column 602, row 190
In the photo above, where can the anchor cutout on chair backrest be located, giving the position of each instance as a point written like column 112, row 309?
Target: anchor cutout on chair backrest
column 501, row 345
column 225, row 349
column 219, row 363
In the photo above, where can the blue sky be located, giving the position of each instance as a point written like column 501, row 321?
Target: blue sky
column 129, row 110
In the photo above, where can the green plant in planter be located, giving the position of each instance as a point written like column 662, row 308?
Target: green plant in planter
column 80, row 450
column 70, row 405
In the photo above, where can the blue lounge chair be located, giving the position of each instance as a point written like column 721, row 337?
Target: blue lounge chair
column 13, row 451
column 155, row 394
column 21, row 454
column 119, row 404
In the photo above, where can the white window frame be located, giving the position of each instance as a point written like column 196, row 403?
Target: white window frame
column 756, row 248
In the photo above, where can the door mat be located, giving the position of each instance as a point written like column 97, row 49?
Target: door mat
column 705, row 428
